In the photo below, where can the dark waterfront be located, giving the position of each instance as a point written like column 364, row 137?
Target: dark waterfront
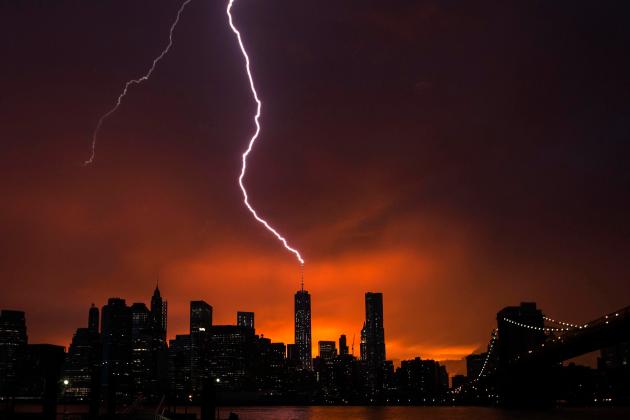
column 413, row 413
column 75, row 412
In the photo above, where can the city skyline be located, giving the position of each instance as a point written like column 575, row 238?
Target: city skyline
column 128, row 359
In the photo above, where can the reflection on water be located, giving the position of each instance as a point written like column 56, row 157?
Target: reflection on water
column 420, row 413
column 78, row 412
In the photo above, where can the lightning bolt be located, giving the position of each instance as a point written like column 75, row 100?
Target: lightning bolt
column 137, row 81
column 253, row 139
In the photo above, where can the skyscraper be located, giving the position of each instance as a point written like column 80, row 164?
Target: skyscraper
column 116, row 351
column 245, row 319
column 159, row 313
column 343, row 345
column 200, row 316
column 93, row 319
column 303, row 329
column 374, row 339
column 13, row 341
column 82, row 363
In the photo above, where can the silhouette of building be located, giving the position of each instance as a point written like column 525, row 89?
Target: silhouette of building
column 303, row 329
column 40, row 376
column 116, row 372
column 292, row 354
column 93, row 318
column 159, row 313
column 13, row 341
column 82, row 364
column 327, row 350
column 180, row 371
column 146, row 348
column 458, row 381
column 227, row 356
column 200, row 316
column 474, row 364
column 343, row 345
column 421, row 381
column 245, row 319
column 374, row 340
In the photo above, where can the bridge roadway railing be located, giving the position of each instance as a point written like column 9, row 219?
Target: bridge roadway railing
column 608, row 330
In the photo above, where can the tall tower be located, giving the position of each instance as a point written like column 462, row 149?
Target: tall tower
column 343, row 344
column 158, row 313
column 93, row 319
column 374, row 339
column 303, row 328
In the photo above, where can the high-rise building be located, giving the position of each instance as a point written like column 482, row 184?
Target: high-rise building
column 374, row 330
column 180, row 367
column 343, row 345
column 39, row 376
column 159, row 313
column 140, row 320
column 374, row 340
column 116, row 375
column 81, row 367
column 146, row 344
column 93, row 318
column 200, row 316
column 13, row 341
column 303, row 329
column 245, row 319
column 227, row 356
column 327, row 350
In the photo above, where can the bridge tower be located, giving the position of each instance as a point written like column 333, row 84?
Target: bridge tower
column 521, row 328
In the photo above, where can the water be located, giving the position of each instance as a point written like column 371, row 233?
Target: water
column 421, row 413
column 78, row 412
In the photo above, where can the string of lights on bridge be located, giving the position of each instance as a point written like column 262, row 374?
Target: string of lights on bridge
column 493, row 340
column 566, row 325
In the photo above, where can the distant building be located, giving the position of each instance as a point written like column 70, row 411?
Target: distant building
column 327, row 350
column 458, row 381
column 245, row 319
column 159, row 313
column 421, row 381
column 228, row 356
column 303, row 329
column 116, row 375
column 13, row 341
column 374, row 340
column 147, row 349
column 93, row 318
column 292, row 353
column 40, row 376
column 200, row 316
column 82, row 364
column 474, row 364
column 343, row 346
column 180, row 367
